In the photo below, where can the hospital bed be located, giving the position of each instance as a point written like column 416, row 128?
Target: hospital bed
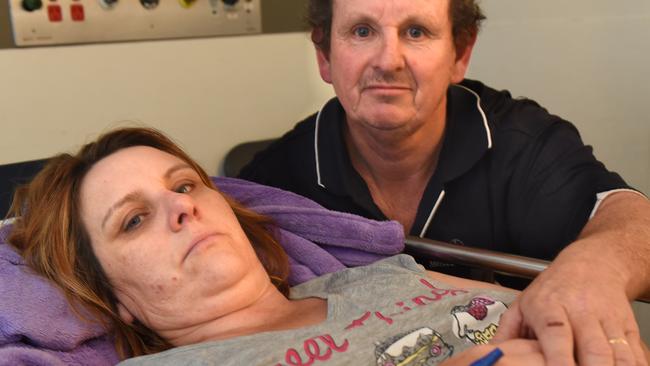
column 423, row 250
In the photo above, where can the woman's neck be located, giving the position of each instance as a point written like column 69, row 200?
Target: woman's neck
column 271, row 312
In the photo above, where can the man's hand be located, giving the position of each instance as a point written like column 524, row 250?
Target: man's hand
column 578, row 308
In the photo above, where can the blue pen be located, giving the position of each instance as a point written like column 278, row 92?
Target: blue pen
column 489, row 359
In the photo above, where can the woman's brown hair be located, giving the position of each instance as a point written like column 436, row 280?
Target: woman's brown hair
column 48, row 232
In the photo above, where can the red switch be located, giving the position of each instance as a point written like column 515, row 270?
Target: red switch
column 54, row 13
column 77, row 12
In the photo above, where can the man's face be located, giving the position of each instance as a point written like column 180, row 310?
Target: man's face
column 391, row 61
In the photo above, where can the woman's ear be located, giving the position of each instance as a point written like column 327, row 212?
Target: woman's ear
column 125, row 314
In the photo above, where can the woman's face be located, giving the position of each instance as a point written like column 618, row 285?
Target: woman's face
column 171, row 247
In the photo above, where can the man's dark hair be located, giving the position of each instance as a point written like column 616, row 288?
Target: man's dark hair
column 466, row 17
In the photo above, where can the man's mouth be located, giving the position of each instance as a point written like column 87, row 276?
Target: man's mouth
column 387, row 87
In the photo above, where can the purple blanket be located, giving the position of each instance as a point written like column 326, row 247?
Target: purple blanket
column 37, row 326
column 317, row 240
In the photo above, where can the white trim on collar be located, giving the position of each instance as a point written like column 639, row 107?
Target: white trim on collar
column 433, row 212
column 485, row 121
column 318, row 180
column 478, row 106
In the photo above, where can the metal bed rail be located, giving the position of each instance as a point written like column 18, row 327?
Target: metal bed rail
column 503, row 263
column 498, row 262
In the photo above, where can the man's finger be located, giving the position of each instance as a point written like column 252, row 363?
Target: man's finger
column 633, row 335
column 510, row 324
column 642, row 358
column 553, row 331
column 625, row 342
column 591, row 342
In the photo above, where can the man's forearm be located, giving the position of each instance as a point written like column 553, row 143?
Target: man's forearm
column 619, row 233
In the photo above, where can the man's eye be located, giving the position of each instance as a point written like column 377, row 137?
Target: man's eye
column 415, row 32
column 184, row 188
column 133, row 223
column 362, row 31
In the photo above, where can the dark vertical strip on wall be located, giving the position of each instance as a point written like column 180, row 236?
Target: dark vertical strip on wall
column 6, row 36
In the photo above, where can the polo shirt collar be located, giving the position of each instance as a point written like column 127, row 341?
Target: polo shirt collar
column 334, row 170
column 467, row 134
column 467, row 138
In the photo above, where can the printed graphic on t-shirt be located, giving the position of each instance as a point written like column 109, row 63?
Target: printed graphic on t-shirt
column 477, row 321
column 422, row 346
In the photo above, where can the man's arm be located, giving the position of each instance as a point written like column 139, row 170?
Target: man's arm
column 621, row 228
column 581, row 301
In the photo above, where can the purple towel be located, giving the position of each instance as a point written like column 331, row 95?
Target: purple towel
column 320, row 240
column 37, row 326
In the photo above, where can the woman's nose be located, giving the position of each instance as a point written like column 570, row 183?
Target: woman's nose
column 182, row 209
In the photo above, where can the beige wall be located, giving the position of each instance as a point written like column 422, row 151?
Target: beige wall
column 209, row 94
column 586, row 61
column 588, row 65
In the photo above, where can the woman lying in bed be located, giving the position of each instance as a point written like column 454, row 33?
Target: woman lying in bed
column 132, row 229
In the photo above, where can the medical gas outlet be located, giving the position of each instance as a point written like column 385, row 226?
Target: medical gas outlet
column 31, row 5
column 107, row 4
column 52, row 22
column 187, row 3
column 149, row 4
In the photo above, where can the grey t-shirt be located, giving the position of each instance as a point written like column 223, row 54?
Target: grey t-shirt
column 387, row 313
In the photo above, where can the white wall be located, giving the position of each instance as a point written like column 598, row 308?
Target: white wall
column 585, row 60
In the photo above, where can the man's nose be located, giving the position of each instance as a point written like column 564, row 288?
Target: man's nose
column 182, row 209
column 390, row 54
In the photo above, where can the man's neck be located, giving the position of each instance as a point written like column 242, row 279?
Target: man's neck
column 387, row 156
column 396, row 165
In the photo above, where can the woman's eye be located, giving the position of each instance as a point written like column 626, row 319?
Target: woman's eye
column 184, row 188
column 415, row 32
column 362, row 31
column 133, row 223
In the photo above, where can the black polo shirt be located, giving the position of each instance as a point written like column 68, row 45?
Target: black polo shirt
column 511, row 177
